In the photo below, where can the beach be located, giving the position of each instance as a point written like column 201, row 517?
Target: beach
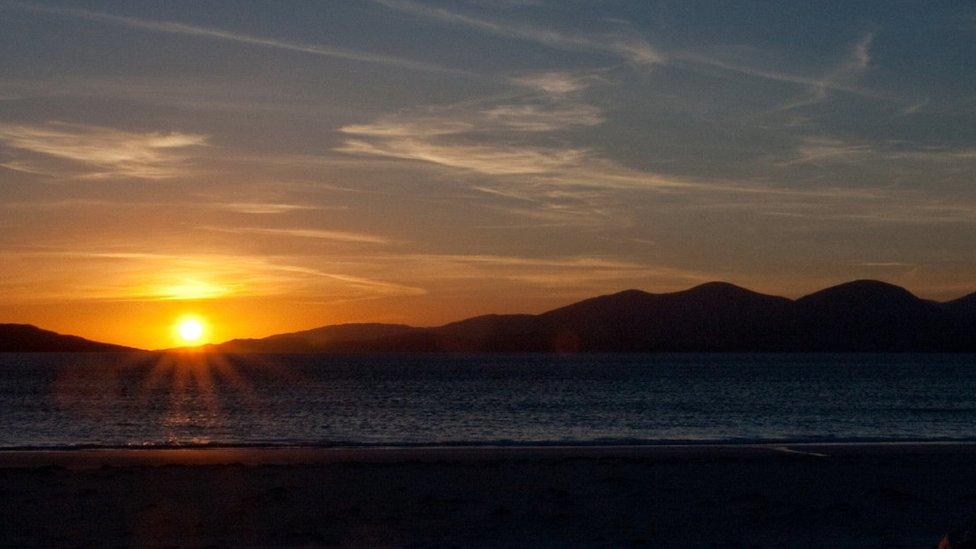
column 800, row 495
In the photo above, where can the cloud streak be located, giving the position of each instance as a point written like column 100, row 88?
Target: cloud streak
column 856, row 63
column 841, row 79
column 485, row 159
column 535, row 118
column 102, row 151
column 136, row 276
column 553, row 82
column 335, row 236
column 632, row 49
column 171, row 27
column 547, row 273
column 638, row 51
column 479, row 146
column 473, row 138
column 817, row 150
column 268, row 208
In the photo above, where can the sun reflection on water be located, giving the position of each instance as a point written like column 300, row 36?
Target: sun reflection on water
column 183, row 397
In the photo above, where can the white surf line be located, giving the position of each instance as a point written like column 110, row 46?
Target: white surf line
column 786, row 450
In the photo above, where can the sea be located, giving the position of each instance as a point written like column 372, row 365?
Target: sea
column 147, row 400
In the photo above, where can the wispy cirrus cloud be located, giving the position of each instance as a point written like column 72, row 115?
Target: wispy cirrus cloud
column 476, row 138
column 335, row 236
column 938, row 154
column 574, row 262
column 546, row 273
column 536, row 118
column 842, row 78
column 556, row 186
column 534, row 164
column 554, row 82
column 410, row 127
column 104, row 275
column 818, row 150
column 884, row 264
column 823, row 150
column 485, row 159
column 630, row 48
column 172, row 27
column 545, row 116
column 194, row 203
column 98, row 151
column 633, row 48
column 373, row 287
column 269, row 208
column 480, row 145
column 26, row 167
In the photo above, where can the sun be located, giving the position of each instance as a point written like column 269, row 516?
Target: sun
column 190, row 330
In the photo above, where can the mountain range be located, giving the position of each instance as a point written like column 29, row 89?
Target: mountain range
column 858, row 316
column 24, row 338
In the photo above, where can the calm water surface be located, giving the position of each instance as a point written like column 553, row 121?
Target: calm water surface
column 152, row 400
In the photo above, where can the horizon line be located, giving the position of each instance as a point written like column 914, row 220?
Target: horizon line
column 202, row 347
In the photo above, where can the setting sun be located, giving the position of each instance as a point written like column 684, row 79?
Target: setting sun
column 190, row 330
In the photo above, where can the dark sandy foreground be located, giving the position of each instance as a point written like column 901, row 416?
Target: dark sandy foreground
column 853, row 495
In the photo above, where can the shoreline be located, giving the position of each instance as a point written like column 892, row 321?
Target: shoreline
column 310, row 455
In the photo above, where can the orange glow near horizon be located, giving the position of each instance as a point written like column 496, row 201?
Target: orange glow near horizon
column 151, row 324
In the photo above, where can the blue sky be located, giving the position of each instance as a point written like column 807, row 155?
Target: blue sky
column 422, row 161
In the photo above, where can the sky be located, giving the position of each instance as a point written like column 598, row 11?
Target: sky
column 273, row 167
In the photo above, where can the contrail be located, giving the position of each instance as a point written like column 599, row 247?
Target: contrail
column 172, row 27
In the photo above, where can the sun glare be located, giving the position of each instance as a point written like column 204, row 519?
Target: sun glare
column 190, row 330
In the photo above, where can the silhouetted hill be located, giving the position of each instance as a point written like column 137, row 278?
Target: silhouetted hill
column 857, row 316
column 867, row 315
column 316, row 339
column 963, row 312
column 711, row 317
column 24, row 338
column 964, row 307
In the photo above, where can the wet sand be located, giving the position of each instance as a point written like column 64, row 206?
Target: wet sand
column 863, row 495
